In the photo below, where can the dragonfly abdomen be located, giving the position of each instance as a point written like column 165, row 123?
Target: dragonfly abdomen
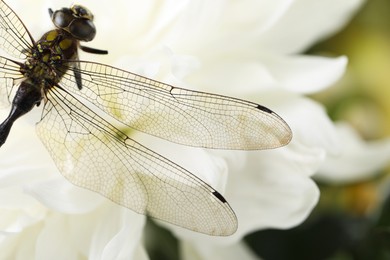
column 27, row 96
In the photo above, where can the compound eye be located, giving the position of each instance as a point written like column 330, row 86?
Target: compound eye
column 62, row 18
column 82, row 29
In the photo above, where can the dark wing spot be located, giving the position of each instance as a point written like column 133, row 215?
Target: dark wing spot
column 219, row 196
column 260, row 107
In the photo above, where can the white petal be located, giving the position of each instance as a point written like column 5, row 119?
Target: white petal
column 304, row 74
column 14, row 220
column 19, row 247
column 204, row 25
column 109, row 233
column 358, row 160
column 236, row 77
column 244, row 76
column 307, row 22
column 23, row 158
column 54, row 241
column 311, row 125
column 117, row 234
column 268, row 193
column 23, row 161
column 283, row 204
column 58, row 194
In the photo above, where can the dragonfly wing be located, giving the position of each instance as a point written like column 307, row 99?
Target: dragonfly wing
column 15, row 39
column 183, row 116
column 9, row 72
column 93, row 154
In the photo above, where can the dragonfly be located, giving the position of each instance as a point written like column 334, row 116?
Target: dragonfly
column 83, row 101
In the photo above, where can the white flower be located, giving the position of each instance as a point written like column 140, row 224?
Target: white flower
column 247, row 49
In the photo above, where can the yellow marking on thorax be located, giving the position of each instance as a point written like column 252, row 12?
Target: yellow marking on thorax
column 65, row 44
column 45, row 58
column 51, row 35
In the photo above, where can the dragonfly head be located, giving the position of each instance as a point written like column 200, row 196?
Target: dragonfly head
column 76, row 20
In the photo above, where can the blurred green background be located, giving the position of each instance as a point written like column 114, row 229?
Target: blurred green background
column 351, row 221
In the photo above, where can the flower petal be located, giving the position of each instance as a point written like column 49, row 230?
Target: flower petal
column 23, row 158
column 304, row 74
column 49, row 245
column 58, row 194
column 117, row 234
column 203, row 25
column 245, row 76
column 358, row 160
column 306, row 22
column 309, row 122
column 268, row 193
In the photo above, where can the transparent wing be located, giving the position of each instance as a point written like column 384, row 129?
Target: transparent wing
column 93, row 154
column 178, row 115
column 9, row 74
column 15, row 39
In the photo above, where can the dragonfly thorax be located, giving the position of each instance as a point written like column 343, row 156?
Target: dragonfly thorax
column 45, row 60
